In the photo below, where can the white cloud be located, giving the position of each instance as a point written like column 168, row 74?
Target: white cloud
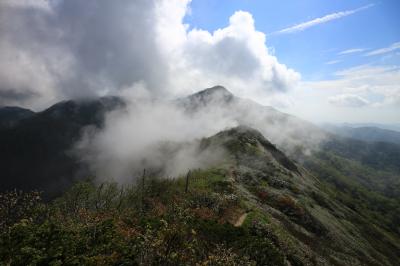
column 333, row 62
column 27, row 3
column 385, row 50
column 46, row 55
column 352, row 51
column 348, row 100
column 378, row 82
column 235, row 56
column 321, row 20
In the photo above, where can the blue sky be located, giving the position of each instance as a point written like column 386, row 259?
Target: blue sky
column 331, row 56
column 310, row 50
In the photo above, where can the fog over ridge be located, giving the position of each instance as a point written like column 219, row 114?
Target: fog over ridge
column 165, row 135
column 142, row 51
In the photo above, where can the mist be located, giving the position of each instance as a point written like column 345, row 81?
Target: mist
column 164, row 136
column 143, row 51
column 160, row 135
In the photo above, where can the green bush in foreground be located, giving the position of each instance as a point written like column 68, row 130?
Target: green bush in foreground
column 109, row 225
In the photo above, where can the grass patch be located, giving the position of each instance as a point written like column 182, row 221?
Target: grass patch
column 255, row 216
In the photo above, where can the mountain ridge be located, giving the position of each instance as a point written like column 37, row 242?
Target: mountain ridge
column 338, row 205
column 71, row 117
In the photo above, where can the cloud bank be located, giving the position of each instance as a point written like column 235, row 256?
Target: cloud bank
column 159, row 136
column 354, row 85
column 348, row 100
column 142, row 50
column 165, row 136
column 58, row 49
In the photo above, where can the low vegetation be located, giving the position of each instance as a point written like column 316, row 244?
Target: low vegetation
column 256, row 208
column 111, row 225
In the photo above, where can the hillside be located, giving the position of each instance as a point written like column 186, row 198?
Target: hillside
column 257, row 207
column 36, row 152
column 10, row 116
column 279, row 191
column 370, row 134
column 44, row 142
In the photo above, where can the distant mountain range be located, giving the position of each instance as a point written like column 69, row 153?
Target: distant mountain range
column 43, row 141
column 336, row 195
column 366, row 133
column 394, row 127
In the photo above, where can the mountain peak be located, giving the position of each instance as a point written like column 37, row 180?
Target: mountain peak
column 218, row 89
column 216, row 94
column 248, row 140
column 84, row 106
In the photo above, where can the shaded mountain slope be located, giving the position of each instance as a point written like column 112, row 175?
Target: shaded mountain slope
column 10, row 116
column 35, row 152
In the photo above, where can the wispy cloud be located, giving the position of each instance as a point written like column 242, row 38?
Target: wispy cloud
column 348, row 100
column 333, row 62
column 385, row 50
column 321, row 20
column 352, row 51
